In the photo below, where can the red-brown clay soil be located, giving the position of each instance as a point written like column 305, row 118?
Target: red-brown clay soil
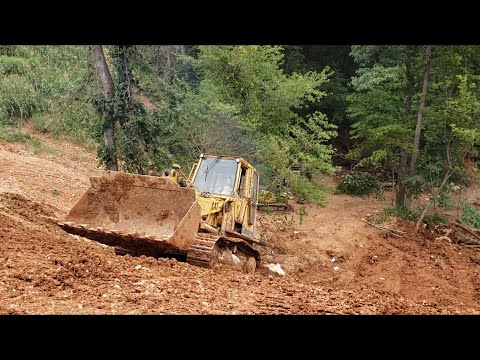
column 334, row 262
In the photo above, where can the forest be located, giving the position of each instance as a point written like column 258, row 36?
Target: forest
column 402, row 115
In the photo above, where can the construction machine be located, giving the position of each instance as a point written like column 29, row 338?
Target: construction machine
column 206, row 218
column 268, row 201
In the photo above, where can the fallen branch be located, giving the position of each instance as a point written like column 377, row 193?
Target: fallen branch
column 387, row 184
column 465, row 238
column 443, row 238
column 472, row 246
column 392, row 232
column 385, row 228
column 467, row 230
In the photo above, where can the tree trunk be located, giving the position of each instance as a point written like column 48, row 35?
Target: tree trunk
column 393, row 187
column 108, row 92
column 421, row 108
column 432, row 199
column 402, row 173
column 439, row 190
column 402, row 199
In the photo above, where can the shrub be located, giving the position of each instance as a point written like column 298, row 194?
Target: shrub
column 399, row 212
column 358, row 184
column 305, row 190
column 13, row 65
column 445, row 201
column 18, row 98
column 38, row 146
column 9, row 50
column 470, row 216
column 435, row 219
column 10, row 135
column 302, row 212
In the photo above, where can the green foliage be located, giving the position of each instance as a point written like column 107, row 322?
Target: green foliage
column 452, row 115
column 380, row 193
column 384, row 106
column 415, row 184
column 155, row 124
column 378, row 219
column 294, row 59
column 371, row 55
column 399, row 212
column 470, row 215
column 50, row 85
column 12, row 135
column 55, row 192
column 336, row 57
column 476, row 174
column 79, row 121
column 13, row 65
column 383, row 122
column 59, row 72
column 203, row 122
column 7, row 121
column 463, row 109
column 358, row 184
column 38, row 146
column 269, row 210
column 434, row 219
column 76, row 122
column 445, row 201
column 275, row 166
column 9, row 50
column 378, row 76
column 305, row 190
column 42, row 123
column 302, row 212
column 251, row 80
column 18, row 97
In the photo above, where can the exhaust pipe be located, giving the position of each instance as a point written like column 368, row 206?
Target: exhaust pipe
column 208, row 228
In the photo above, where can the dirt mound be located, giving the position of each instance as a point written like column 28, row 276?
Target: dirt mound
column 334, row 261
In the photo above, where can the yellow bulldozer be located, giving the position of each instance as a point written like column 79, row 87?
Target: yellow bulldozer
column 206, row 218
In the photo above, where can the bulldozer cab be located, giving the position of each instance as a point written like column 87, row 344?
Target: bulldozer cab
column 230, row 185
column 216, row 175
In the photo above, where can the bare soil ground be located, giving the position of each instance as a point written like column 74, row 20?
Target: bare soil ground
column 334, row 261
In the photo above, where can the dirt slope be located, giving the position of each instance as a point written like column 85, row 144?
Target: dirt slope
column 334, row 246
column 46, row 271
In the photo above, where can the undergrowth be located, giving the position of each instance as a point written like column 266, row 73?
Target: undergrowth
column 359, row 184
column 10, row 134
column 470, row 215
column 49, row 87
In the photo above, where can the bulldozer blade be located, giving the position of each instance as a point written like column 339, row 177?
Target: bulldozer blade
column 148, row 215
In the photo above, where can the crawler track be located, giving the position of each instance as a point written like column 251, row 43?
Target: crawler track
column 201, row 251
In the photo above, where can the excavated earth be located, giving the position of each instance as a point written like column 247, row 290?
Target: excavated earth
column 334, row 262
